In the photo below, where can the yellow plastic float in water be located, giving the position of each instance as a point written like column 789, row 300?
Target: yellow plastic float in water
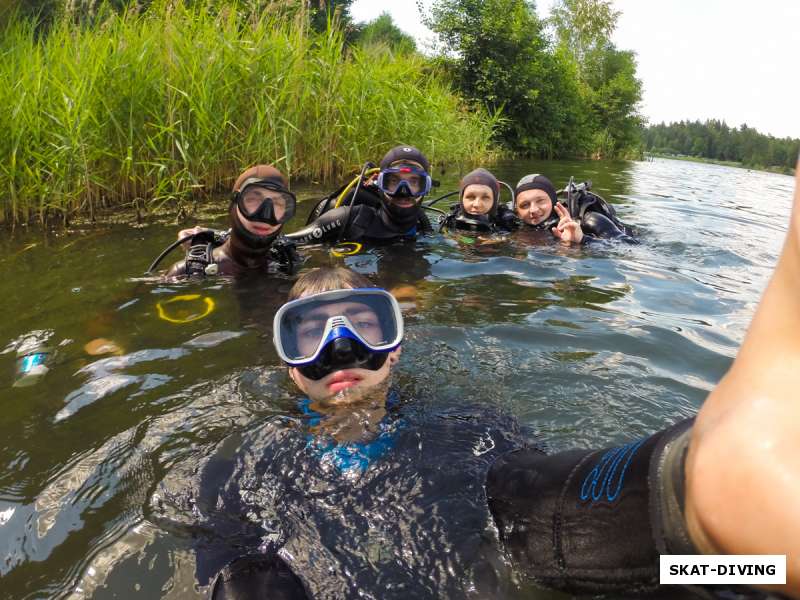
column 185, row 308
column 346, row 249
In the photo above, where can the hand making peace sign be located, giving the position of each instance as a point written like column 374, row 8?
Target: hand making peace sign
column 567, row 230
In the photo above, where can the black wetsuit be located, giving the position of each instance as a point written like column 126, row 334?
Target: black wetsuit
column 368, row 218
column 401, row 515
column 413, row 521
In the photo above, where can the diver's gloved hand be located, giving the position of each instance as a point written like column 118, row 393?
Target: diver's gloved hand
column 593, row 521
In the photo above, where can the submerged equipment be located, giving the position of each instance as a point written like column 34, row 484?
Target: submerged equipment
column 340, row 329
column 343, row 249
column 31, row 366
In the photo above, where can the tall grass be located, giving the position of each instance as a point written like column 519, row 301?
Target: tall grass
column 167, row 106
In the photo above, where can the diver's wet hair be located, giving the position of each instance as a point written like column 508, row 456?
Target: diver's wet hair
column 325, row 279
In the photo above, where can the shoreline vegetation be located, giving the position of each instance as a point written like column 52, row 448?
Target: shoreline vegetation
column 151, row 105
column 163, row 107
column 715, row 142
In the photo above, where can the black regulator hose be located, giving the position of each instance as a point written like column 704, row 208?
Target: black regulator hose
column 434, row 209
column 434, row 201
column 166, row 252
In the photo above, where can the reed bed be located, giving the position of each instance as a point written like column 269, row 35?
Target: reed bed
column 156, row 110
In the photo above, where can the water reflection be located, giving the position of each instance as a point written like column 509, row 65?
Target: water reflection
column 587, row 345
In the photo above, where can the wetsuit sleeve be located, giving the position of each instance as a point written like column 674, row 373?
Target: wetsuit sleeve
column 327, row 227
column 424, row 223
column 593, row 521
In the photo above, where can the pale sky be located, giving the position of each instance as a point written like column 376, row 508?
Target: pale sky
column 697, row 59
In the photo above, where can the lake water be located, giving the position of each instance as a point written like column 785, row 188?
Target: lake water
column 585, row 346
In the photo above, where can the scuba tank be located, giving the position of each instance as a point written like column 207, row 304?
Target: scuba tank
column 581, row 200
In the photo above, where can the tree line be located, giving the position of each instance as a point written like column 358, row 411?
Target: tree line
column 558, row 86
column 716, row 140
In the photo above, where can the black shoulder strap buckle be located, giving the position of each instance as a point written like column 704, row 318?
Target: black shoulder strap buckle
column 200, row 256
column 284, row 252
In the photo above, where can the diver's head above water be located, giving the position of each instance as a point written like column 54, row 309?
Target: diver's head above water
column 479, row 193
column 535, row 199
column 339, row 335
column 260, row 205
column 404, row 179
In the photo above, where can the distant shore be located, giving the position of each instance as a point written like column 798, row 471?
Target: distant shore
column 724, row 163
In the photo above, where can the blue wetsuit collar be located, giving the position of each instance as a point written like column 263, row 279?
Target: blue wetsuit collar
column 351, row 457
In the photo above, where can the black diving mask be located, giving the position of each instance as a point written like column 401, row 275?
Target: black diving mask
column 265, row 201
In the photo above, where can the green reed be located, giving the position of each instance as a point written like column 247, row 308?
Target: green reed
column 159, row 109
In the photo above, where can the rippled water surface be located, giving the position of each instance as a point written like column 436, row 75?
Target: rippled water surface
column 574, row 346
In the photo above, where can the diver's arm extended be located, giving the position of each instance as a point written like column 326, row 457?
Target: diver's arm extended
column 743, row 466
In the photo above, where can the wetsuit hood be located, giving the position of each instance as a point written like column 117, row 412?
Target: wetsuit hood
column 539, row 182
column 247, row 248
column 407, row 154
column 397, row 218
column 536, row 182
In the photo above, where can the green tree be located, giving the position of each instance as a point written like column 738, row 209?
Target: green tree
column 716, row 140
column 383, row 30
column 584, row 27
column 583, row 30
column 499, row 57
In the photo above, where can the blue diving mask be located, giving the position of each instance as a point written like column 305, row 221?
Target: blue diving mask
column 337, row 330
column 404, row 181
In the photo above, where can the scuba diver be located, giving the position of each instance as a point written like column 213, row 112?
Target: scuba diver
column 386, row 206
column 343, row 499
column 583, row 217
column 260, row 205
column 479, row 209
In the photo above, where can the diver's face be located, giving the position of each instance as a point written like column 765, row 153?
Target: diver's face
column 344, row 386
column 477, row 199
column 252, row 197
column 534, row 206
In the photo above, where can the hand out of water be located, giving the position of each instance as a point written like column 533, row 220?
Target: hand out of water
column 567, row 229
